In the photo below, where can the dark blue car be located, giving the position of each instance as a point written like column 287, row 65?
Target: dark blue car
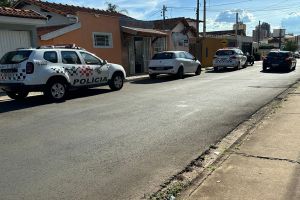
column 280, row 60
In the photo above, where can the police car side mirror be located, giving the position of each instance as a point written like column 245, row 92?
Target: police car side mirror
column 104, row 62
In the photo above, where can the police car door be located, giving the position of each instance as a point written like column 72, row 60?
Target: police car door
column 99, row 73
column 73, row 67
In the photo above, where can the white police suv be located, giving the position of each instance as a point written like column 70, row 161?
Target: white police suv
column 229, row 58
column 55, row 70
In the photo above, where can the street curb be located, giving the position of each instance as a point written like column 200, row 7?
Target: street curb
column 146, row 76
column 189, row 179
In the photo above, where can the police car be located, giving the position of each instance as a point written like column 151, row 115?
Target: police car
column 55, row 70
column 229, row 58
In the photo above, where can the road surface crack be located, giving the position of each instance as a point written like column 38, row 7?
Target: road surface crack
column 266, row 157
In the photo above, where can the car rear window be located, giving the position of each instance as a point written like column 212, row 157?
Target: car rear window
column 225, row 53
column 162, row 56
column 15, row 57
column 278, row 54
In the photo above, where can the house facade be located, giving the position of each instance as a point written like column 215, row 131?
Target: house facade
column 18, row 29
column 140, row 41
column 181, row 32
column 110, row 35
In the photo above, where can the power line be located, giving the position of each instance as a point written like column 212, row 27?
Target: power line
column 224, row 4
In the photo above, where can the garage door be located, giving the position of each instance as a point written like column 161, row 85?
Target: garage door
column 11, row 40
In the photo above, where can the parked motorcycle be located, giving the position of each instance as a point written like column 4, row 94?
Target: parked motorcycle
column 250, row 59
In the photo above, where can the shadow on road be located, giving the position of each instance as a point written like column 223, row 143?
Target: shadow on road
column 160, row 79
column 276, row 71
column 221, row 71
column 39, row 100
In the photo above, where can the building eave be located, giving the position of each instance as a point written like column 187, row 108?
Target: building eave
column 61, row 31
column 20, row 20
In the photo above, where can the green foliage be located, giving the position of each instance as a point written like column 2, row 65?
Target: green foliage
column 7, row 3
column 290, row 46
column 115, row 8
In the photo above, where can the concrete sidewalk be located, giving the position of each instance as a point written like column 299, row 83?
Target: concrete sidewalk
column 266, row 165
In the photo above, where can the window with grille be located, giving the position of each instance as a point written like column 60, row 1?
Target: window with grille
column 102, row 40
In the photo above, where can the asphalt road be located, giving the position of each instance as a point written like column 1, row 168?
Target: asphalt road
column 121, row 145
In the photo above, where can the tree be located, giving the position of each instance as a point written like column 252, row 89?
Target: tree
column 6, row 3
column 115, row 8
column 290, row 46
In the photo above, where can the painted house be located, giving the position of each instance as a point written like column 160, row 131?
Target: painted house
column 140, row 41
column 95, row 30
column 18, row 29
column 110, row 35
column 181, row 32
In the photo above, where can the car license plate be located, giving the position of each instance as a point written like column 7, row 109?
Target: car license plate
column 275, row 65
column 160, row 68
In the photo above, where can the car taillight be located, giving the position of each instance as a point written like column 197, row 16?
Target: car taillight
column 233, row 57
column 29, row 68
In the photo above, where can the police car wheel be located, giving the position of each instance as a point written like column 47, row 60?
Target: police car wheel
column 56, row 90
column 116, row 82
column 17, row 95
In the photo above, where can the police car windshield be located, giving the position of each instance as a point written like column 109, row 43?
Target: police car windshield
column 225, row 53
column 15, row 57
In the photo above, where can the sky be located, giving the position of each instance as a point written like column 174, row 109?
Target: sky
column 220, row 13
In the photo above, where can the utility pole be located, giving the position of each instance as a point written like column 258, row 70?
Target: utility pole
column 204, row 18
column 258, row 34
column 236, row 28
column 197, row 16
column 197, row 49
column 164, row 10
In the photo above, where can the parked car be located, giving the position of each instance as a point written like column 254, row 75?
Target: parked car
column 297, row 54
column 229, row 58
column 173, row 62
column 55, row 70
column 283, row 60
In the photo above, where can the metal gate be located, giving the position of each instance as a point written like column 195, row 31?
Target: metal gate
column 11, row 40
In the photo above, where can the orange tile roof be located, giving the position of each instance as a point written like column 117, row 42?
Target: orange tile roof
column 169, row 24
column 12, row 12
column 65, row 9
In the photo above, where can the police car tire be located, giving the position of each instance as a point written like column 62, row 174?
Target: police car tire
column 116, row 82
column 17, row 95
column 49, row 93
